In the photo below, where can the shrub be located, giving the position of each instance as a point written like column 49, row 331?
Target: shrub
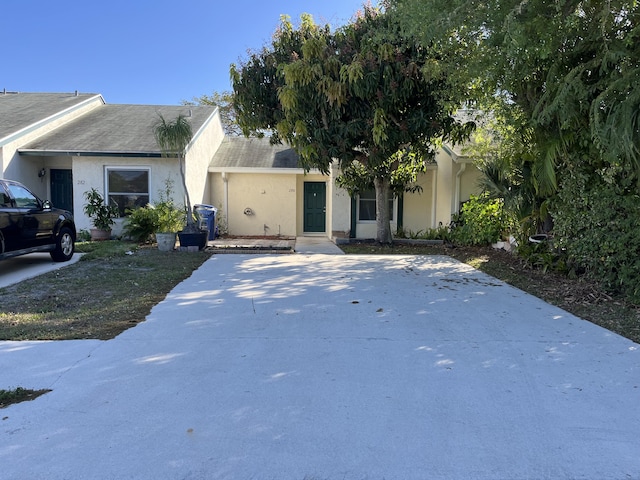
column 162, row 217
column 481, row 221
column 141, row 224
column 597, row 223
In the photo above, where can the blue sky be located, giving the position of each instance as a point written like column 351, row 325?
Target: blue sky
column 155, row 52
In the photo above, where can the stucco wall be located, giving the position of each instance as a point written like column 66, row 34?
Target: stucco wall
column 339, row 208
column 198, row 158
column 269, row 199
column 89, row 172
column 417, row 211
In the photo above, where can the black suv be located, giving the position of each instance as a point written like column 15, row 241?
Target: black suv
column 28, row 224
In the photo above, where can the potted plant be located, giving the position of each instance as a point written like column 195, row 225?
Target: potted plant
column 173, row 137
column 169, row 217
column 101, row 215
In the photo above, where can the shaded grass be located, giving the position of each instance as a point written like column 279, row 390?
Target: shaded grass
column 578, row 296
column 113, row 287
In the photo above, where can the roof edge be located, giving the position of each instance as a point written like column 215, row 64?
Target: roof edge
column 27, row 152
column 34, row 126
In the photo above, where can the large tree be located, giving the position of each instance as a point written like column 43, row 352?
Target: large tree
column 357, row 95
column 571, row 67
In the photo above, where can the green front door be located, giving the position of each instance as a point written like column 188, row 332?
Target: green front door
column 62, row 189
column 315, row 207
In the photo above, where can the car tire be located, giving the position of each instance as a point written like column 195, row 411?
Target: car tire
column 65, row 246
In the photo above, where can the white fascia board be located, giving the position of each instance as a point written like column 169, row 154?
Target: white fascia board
column 272, row 171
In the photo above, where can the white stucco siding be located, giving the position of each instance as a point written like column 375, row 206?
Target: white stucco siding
column 89, row 172
column 204, row 145
column 339, row 208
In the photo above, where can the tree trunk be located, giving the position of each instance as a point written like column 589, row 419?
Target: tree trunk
column 191, row 226
column 382, row 211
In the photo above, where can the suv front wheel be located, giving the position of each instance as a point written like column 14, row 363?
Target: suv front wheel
column 65, row 246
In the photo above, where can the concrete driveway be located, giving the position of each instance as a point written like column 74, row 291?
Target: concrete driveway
column 17, row 269
column 331, row 367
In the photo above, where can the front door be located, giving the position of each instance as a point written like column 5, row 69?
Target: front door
column 62, row 189
column 315, row 207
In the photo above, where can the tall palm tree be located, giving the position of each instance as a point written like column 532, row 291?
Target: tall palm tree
column 172, row 138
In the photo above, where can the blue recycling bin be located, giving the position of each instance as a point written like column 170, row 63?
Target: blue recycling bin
column 207, row 219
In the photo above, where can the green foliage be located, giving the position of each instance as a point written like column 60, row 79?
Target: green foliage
column 162, row 217
column 224, row 102
column 173, row 137
column 141, row 224
column 102, row 215
column 598, row 225
column 544, row 256
column 482, row 221
column 440, row 233
column 362, row 93
column 17, row 395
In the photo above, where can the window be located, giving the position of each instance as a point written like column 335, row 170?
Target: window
column 128, row 188
column 367, row 206
column 23, row 197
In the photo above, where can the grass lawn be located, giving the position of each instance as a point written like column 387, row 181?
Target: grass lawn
column 113, row 287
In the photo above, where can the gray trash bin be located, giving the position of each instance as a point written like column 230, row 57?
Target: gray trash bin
column 207, row 218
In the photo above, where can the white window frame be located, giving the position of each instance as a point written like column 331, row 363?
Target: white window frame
column 110, row 168
column 392, row 211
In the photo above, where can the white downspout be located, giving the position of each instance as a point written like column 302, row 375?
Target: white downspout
column 458, row 187
column 434, row 198
column 225, row 179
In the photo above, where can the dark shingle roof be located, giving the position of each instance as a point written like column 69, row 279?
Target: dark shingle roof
column 241, row 152
column 21, row 110
column 126, row 129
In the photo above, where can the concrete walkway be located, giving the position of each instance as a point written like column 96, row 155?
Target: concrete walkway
column 330, row 367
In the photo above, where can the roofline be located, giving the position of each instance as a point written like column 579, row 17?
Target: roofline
column 202, row 128
column 44, row 121
column 455, row 157
column 279, row 171
column 85, row 153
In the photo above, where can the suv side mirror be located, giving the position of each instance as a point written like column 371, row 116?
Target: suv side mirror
column 46, row 205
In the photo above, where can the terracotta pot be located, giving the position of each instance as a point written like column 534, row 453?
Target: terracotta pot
column 98, row 235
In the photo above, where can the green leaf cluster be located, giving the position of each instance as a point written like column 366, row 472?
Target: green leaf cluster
column 164, row 216
column 482, row 221
column 360, row 94
column 598, row 227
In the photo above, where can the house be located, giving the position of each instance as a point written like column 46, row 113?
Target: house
column 62, row 145
column 261, row 190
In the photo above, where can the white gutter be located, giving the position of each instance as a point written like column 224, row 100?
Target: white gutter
column 271, row 170
column 434, row 198
column 463, row 167
column 225, row 179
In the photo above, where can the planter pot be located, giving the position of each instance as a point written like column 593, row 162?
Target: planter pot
column 166, row 241
column 98, row 235
column 198, row 239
